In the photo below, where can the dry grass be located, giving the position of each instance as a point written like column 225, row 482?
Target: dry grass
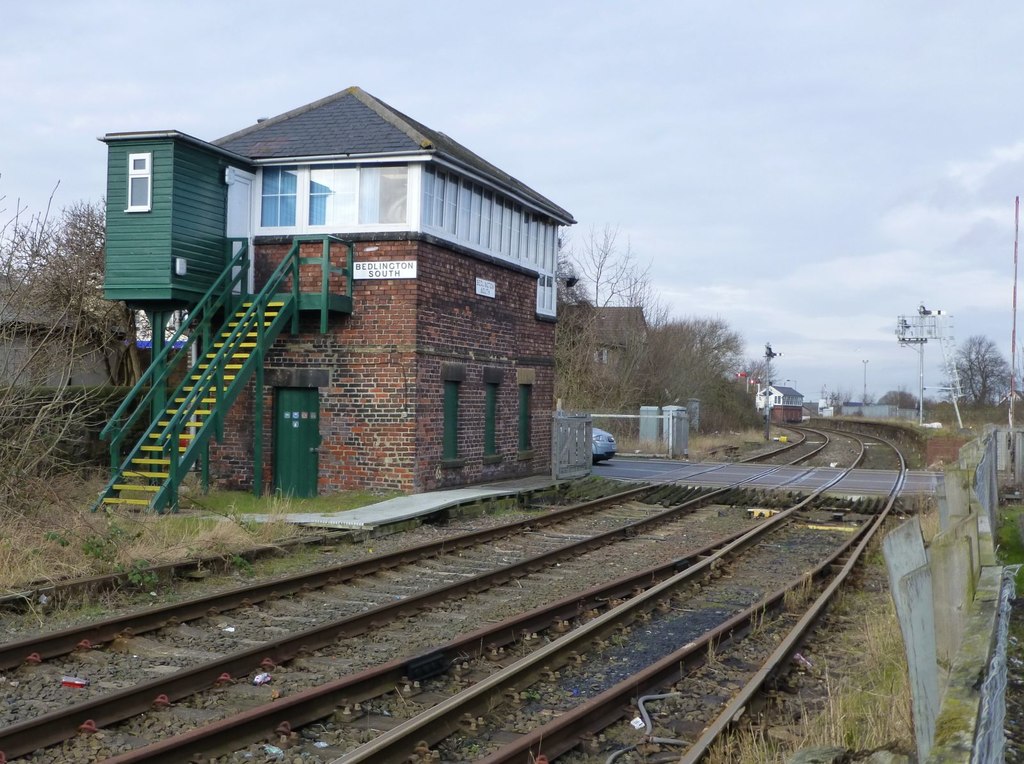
column 869, row 697
column 715, row 446
column 64, row 540
column 857, row 697
column 930, row 522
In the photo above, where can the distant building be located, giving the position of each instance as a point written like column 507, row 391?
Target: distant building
column 616, row 331
column 786, row 404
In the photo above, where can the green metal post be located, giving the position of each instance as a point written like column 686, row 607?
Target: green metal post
column 257, row 417
column 325, row 283
column 205, row 469
column 158, row 323
column 349, row 268
column 297, row 252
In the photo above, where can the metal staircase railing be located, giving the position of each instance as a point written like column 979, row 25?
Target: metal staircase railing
column 181, row 425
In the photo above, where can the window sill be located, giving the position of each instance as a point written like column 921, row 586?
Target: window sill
column 452, row 464
column 525, row 455
column 493, row 458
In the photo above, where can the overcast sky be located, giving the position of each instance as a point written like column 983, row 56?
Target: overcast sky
column 805, row 171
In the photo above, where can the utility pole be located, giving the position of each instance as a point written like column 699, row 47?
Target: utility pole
column 864, row 398
column 1013, row 333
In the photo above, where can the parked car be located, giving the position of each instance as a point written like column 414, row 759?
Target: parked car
column 604, row 445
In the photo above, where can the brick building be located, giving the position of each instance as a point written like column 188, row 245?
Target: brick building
column 404, row 289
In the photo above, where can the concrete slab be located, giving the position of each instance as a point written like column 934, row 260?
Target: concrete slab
column 408, row 507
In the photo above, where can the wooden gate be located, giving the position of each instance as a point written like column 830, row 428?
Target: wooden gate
column 571, row 446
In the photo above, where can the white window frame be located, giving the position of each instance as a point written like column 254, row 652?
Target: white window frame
column 147, row 174
column 302, row 203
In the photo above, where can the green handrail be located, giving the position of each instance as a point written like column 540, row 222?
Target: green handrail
column 216, row 297
column 211, row 379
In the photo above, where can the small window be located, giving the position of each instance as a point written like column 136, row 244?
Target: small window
column 546, row 295
column 525, row 391
column 450, row 437
column 140, row 182
column 280, row 189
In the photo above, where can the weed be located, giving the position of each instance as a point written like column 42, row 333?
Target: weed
column 57, row 537
column 242, row 565
column 140, row 575
column 99, row 548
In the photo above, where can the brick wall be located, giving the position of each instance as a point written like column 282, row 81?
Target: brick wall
column 379, row 372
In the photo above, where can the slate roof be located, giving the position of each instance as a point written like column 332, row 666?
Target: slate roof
column 613, row 326
column 788, row 391
column 352, row 123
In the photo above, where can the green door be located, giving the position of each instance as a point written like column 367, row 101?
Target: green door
column 296, row 441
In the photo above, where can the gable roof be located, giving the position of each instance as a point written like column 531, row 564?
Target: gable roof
column 613, row 326
column 354, row 123
column 787, row 391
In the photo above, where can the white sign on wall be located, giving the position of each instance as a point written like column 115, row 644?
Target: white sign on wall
column 485, row 288
column 384, row 269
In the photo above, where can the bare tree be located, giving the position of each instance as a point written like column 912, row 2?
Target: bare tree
column 899, row 398
column 984, row 373
column 838, row 397
column 606, row 305
column 48, row 334
column 689, row 356
column 610, row 271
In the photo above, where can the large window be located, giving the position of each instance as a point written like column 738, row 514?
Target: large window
column 463, row 211
column 339, row 196
column 140, row 182
column 333, row 195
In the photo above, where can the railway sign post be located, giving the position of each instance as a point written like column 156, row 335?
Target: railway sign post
column 769, row 354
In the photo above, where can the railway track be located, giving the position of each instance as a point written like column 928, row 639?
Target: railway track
column 657, row 645
column 632, row 524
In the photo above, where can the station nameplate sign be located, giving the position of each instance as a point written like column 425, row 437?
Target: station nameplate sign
column 384, row 269
column 485, row 288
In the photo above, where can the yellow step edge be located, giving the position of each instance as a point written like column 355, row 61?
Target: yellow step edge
column 227, row 378
column 167, row 423
column 140, row 460
column 183, row 436
column 238, row 344
column 145, row 474
column 201, row 400
column 140, row 488
column 118, row 500
column 160, row 449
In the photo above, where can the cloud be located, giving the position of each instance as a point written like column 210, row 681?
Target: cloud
column 973, row 174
